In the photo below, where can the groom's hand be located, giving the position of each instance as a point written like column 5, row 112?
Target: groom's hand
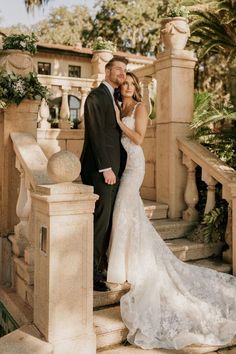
column 109, row 177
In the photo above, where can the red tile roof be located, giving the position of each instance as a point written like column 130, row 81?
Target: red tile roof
column 81, row 50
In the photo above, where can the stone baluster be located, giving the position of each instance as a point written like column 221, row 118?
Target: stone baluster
column 22, row 275
column 146, row 80
column 64, row 122
column 44, row 115
column 20, row 239
column 211, row 183
column 191, row 192
column 84, row 94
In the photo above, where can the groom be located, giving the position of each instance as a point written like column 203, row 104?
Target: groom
column 103, row 159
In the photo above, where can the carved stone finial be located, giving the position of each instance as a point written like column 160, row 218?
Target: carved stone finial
column 63, row 166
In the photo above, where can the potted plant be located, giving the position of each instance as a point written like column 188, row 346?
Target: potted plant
column 103, row 44
column 174, row 28
column 102, row 53
column 16, row 53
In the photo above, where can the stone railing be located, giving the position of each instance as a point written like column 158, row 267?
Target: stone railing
column 53, row 213
column 32, row 166
column 61, row 86
column 213, row 171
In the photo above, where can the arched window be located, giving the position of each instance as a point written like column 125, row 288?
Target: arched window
column 74, row 104
column 74, row 107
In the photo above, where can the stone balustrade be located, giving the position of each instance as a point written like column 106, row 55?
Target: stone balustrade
column 213, row 171
column 62, row 87
column 32, row 165
column 54, row 241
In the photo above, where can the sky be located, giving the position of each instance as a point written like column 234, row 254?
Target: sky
column 13, row 12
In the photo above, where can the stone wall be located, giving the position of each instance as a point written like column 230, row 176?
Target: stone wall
column 54, row 140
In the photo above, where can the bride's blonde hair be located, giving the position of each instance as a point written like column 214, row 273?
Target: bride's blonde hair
column 137, row 94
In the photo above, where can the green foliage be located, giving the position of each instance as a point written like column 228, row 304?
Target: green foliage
column 101, row 43
column 22, row 42
column 214, row 28
column 131, row 25
column 65, row 26
column 214, row 127
column 177, row 11
column 14, row 88
column 212, row 226
column 215, row 223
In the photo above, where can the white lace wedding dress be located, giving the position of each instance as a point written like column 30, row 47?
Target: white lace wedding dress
column 171, row 304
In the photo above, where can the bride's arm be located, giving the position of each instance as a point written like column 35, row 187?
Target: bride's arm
column 141, row 119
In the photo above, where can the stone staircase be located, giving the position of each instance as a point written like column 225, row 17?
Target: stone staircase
column 110, row 330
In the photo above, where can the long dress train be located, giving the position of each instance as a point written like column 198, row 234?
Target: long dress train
column 171, row 304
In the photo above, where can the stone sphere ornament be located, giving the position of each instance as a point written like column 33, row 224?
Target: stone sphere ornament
column 63, row 166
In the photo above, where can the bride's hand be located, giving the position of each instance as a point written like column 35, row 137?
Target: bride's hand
column 118, row 118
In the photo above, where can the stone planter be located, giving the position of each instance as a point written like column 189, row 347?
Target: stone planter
column 99, row 60
column 16, row 61
column 174, row 32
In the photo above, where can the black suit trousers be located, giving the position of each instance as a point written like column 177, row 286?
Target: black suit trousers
column 102, row 216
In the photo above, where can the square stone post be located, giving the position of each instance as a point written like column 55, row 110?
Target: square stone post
column 174, row 104
column 63, row 290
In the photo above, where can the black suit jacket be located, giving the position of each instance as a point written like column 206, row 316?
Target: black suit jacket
column 102, row 146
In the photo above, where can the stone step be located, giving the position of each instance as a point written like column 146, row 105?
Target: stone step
column 173, row 228
column 155, row 210
column 109, row 327
column 187, row 250
column 25, row 340
column 213, row 263
column 103, row 299
column 111, row 331
column 130, row 349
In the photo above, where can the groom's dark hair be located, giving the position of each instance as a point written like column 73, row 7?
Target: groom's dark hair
column 115, row 59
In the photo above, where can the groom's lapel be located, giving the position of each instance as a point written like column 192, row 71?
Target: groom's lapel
column 106, row 89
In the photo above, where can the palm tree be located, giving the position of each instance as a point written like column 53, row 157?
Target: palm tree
column 214, row 27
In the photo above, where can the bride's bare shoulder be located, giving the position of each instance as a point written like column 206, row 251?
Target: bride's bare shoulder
column 141, row 110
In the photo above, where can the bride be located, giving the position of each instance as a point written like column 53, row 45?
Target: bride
column 171, row 304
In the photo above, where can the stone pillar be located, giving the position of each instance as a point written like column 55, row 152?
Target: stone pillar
column 191, row 193
column 145, row 81
column 43, row 116
column 84, row 95
column 64, row 122
column 211, row 191
column 22, row 118
column 63, row 290
column 175, row 85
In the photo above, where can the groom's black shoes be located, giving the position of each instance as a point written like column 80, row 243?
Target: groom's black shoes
column 100, row 275
column 104, row 275
column 100, row 286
